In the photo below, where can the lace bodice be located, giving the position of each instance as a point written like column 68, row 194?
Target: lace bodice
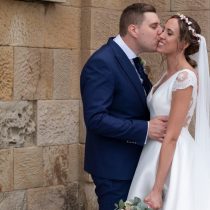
column 159, row 102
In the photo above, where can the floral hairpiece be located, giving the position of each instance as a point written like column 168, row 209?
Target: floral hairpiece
column 189, row 23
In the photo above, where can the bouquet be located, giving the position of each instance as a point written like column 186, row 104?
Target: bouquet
column 134, row 204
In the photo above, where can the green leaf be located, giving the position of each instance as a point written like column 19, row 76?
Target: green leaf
column 148, row 208
column 116, row 205
column 142, row 205
column 136, row 200
column 121, row 204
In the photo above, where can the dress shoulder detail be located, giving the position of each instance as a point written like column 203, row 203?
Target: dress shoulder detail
column 185, row 79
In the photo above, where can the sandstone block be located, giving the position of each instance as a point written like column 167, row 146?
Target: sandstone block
column 73, row 162
column 13, row 200
column 16, row 124
column 72, row 201
column 85, row 54
column 180, row 5
column 160, row 5
column 66, row 74
column 33, row 77
column 46, row 198
column 104, row 24
column 23, row 23
column 88, row 196
column 86, row 28
column 155, row 66
column 74, row 3
column 58, row 122
column 83, row 175
column 60, row 164
column 56, row 164
column 117, row 4
column 53, row 198
column 62, row 27
column 6, row 170
column 152, row 59
column 28, row 167
column 6, row 72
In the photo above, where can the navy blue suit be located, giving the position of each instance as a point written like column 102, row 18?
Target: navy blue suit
column 115, row 113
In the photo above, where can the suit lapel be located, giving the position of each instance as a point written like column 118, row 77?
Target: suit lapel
column 128, row 68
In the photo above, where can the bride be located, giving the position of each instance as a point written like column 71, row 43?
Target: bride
column 175, row 175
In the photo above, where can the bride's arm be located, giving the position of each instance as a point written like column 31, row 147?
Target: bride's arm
column 179, row 109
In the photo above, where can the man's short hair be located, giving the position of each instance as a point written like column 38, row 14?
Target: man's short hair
column 133, row 14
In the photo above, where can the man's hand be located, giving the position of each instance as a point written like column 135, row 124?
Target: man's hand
column 157, row 128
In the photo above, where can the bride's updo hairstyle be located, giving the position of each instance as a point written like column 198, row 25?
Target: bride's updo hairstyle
column 189, row 30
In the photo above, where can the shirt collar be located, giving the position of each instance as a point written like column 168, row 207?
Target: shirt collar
column 118, row 39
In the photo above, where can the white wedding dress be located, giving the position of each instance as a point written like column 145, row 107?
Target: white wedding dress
column 178, row 188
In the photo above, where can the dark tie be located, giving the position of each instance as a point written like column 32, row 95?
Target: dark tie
column 145, row 81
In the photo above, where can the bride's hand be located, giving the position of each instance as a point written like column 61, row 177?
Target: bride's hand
column 154, row 200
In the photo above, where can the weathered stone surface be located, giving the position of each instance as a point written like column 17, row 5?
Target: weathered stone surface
column 16, row 124
column 117, row 4
column 46, row 198
column 104, row 24
column 66, row 74
column 155, row 66
column 23, row 23
column 33, row 73
column 60, row 164
column 53, row 198
column 56, row 164
column 152, row 59
column 58, row 122
column 85, row 54
column 76, row 3
column 73, row 162
column 62, row 27
column 13, row 200
column 28, row 167
column 6, row 72
column 161, row 5
column 180, row 5
column 88, row 196
column 83, row 175
column 6, row 170
column 72, row 201
column 86, row 28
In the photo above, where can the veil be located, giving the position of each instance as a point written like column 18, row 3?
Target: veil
column 201, row 162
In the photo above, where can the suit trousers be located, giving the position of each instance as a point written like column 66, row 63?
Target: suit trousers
column 110, row 191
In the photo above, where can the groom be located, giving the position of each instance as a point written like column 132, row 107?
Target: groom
column 114, row 89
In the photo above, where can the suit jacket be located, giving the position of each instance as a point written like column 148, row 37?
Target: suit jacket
column 115, row 113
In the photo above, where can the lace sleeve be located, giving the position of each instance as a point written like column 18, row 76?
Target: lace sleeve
column 184, row 80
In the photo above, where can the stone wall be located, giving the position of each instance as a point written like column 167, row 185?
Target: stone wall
column 40, row 62
column 42, row 49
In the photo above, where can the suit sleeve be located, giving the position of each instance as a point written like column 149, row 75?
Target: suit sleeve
column 97, row 90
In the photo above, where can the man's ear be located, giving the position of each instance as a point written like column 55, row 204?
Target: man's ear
column 132, row 30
